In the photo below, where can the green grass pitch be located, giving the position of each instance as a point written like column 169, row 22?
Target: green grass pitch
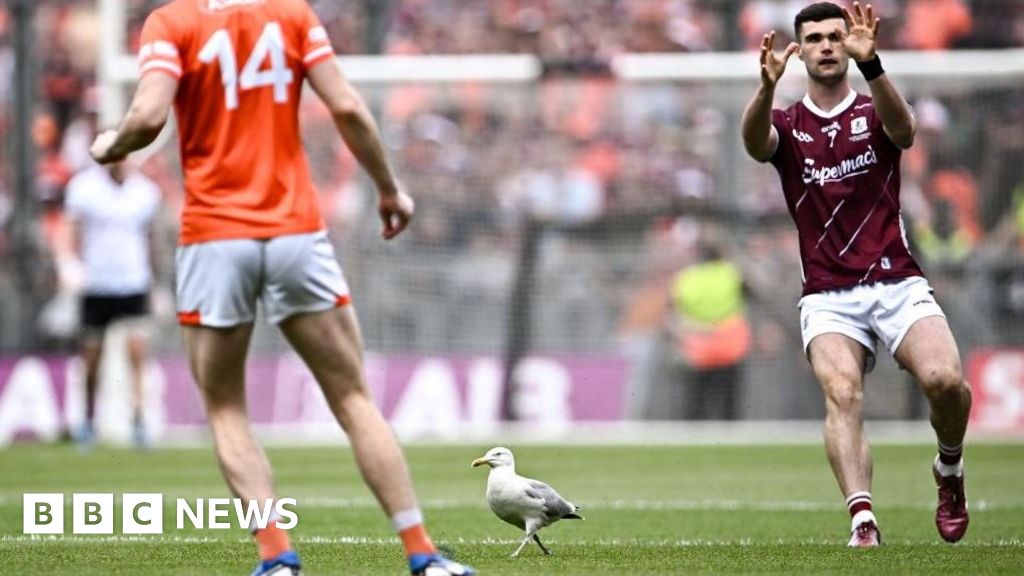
column 650, row 510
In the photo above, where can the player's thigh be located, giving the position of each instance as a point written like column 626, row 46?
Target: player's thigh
column 91, row 347
column 305, row 293
column 901, row 305
column 139, row 330
column 301, row 276
column 329, row 342
column 929, row 352
column 837, row 335
column 133, row 316
column 217, row 360
column 838, row 361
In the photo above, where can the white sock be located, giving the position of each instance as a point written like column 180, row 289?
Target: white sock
column 858, row 497
column 862, row 517
column 271, row 518
column 946, row 470
column 406, row 519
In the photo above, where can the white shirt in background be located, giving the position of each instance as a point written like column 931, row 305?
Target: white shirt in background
column 114, row 221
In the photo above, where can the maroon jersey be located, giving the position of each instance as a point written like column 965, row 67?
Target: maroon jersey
column 841, row 177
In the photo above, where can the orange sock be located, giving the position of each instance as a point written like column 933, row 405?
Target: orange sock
column 416, row 540
column 272, row 541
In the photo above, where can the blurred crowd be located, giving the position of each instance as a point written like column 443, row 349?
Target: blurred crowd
column 596, row 30
column 611, row 167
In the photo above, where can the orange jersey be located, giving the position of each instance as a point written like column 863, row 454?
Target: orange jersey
column 240, row 65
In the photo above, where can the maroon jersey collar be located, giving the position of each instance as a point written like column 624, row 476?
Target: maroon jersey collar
column 839, row 109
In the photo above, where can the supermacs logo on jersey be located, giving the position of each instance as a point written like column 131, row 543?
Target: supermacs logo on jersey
column 144, row 513
column 848, row 167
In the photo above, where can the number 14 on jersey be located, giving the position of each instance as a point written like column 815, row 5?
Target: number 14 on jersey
column 270, row 44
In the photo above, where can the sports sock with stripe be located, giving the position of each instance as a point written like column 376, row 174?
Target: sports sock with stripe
column 409, row 526
column 859, row 505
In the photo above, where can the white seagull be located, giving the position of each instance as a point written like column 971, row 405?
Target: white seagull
column 522, row 502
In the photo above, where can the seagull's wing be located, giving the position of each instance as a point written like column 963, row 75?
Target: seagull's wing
column 555, row 507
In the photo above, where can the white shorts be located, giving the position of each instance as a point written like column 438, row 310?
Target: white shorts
column 867, row 313
column 220, row 281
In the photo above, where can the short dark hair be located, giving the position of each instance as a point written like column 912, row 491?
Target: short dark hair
column 816, row 12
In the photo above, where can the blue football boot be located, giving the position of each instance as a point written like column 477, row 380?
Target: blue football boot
column 285, row 564
column 437, row 565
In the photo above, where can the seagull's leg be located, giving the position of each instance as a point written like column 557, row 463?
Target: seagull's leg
column 543, row 548
column 523, row 545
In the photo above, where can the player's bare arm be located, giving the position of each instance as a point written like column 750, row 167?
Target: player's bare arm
column 359, row 131
column 143, row 122
column 759, row 136
column 860, row 43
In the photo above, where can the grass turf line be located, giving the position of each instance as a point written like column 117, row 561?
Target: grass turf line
column 726, row 510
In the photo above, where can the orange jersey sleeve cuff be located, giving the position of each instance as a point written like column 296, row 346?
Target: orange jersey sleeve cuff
column 169, row 68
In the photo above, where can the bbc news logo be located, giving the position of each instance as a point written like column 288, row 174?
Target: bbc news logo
column 144, row 513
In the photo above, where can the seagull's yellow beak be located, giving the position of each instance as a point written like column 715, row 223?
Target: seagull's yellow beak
column 481, row 461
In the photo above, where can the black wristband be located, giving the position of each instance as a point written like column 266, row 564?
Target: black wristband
column 871, row 69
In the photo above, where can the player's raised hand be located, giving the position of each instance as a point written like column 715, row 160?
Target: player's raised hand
column 395, row 209
column 772, row 64
column 861, row 39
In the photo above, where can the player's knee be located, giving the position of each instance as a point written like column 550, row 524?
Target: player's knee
column 943, row 381
column 349, row 404
column 91, row 362
column 222, row 392
column 91, row 346
column 217, row 400
column 136, row 351
column 844, row 394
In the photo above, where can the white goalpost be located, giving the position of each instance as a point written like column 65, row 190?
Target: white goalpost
column 116, row 68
